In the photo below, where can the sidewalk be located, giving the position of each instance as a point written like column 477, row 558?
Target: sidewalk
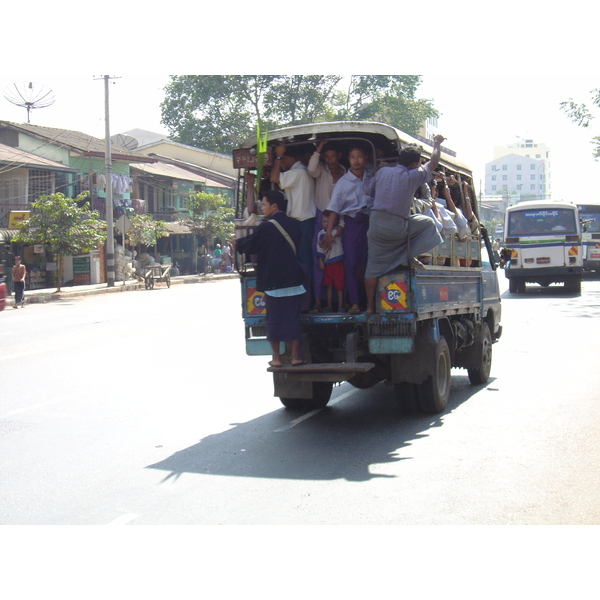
column 50, row 294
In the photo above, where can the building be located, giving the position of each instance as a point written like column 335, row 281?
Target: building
column 521, row 169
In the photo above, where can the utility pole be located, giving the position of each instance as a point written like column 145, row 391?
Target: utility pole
column 110, row 238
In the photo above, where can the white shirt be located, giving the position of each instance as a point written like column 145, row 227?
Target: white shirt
column 324, row 180
column 349, row 196
column 299, row 188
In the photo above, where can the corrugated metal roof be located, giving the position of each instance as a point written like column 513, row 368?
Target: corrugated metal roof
column 169, row 170
column 76, row 141
column 19, row 158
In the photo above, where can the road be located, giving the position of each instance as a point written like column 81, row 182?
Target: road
column 142, row 408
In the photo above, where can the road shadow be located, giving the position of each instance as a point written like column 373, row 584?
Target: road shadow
column 342, row 441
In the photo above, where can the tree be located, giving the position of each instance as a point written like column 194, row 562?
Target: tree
column 208, row 217
column 64, row 226
column 214, row 112
column 217, row 112
column 389, row 99
column 580, row 115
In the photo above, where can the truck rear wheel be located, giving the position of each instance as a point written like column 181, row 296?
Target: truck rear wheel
column 434, row 392
column 292, row 403
column 481, row 373
column 321, row 395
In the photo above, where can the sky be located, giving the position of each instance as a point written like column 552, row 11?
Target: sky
column 495, row 72
column 475, row 117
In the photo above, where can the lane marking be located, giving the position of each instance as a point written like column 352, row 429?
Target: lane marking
column 312, row 413
column 123, row 520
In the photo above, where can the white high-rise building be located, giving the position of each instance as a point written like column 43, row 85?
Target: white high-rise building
column 521, row 169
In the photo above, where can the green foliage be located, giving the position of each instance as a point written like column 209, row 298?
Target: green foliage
column 65, row 227
column 209, row 216
column 145, row 230
column 581, row 116
column 388, row 99
column 61, row 224
column 217, row 112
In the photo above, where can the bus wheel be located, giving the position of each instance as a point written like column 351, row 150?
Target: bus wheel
column 406, row 396
column 481, row 373
column 516, row 286
column 573, row 286
column 434, row 392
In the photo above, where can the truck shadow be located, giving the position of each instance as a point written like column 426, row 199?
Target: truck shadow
column 349, row 440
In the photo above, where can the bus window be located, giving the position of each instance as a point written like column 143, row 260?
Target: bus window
column 541, row 222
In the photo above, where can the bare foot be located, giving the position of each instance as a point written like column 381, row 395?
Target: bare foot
column 275, row 363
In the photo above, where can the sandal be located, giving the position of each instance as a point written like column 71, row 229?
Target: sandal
column 354, row 311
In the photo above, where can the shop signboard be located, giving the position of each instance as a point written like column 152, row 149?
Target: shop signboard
column 16, row 218
column 81, row 270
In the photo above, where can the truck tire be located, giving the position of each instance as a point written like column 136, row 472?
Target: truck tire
column 481, row 373
column 434, row 392
column 292, row 403
column 321, row 395
column 573, row 286
column 406, row 397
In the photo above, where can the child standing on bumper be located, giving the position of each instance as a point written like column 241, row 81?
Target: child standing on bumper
column 331, row 263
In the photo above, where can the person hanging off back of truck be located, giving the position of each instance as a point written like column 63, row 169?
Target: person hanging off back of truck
column 325, row 167
column 351, row 201
column 331, row 264
column 278, row 273
column 291, row 176
column 391, row 224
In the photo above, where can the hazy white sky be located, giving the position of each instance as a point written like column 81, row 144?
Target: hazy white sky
column 494, row 72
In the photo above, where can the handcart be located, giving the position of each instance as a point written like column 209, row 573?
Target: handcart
column 154, row 273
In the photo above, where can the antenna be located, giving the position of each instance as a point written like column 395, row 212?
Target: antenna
column 29, row 95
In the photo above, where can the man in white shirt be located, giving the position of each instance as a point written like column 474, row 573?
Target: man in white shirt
column 299, row 187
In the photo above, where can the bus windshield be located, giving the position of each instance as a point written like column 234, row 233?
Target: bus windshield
column 590, row 217
column 542, row 222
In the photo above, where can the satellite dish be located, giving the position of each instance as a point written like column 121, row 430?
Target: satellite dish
column 125, row 141
column 29, row 95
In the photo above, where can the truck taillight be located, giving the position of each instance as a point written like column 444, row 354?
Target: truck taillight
column 572, row 238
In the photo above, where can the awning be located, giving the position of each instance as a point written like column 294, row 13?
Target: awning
column 176, row 228
column 6, row 235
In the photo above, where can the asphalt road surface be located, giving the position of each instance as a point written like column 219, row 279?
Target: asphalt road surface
column 142, row 408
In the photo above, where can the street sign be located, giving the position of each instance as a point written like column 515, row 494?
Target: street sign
column 123, row 224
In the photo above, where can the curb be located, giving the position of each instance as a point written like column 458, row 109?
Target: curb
column 43, row 296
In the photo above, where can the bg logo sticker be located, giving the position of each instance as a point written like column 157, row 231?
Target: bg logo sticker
column 393, row 296
column 255, row 302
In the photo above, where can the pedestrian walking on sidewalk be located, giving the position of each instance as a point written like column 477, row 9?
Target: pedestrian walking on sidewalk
column 18, row 273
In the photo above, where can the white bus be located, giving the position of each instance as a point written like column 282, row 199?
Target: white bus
column 589, row 213
column 544, row 238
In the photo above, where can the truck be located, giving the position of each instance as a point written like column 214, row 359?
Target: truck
column 427, row 321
